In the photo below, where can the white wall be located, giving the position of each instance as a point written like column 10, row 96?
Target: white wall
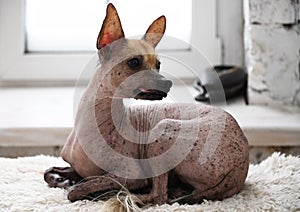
column 272, row 41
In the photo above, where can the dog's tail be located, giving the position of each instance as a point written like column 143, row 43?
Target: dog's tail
column 122, row 202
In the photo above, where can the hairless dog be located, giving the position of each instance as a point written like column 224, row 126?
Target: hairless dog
column 160, row 152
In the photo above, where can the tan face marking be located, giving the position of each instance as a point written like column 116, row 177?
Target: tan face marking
column 138, row 68
column 140, row 47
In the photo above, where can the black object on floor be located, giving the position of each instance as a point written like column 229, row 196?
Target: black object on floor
column 233, row 80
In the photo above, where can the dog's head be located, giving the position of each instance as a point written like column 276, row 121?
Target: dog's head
column 132, row 65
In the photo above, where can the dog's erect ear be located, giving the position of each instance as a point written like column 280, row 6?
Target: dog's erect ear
column 156, row 31
column 111, row 28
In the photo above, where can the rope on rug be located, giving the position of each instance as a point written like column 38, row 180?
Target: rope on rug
column 273, row 185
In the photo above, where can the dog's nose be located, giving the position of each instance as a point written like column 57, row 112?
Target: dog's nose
column 165, row 83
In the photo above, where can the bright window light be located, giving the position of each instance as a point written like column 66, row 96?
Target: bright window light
column 73, row 25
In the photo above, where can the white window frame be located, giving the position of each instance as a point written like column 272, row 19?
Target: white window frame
column 17, row 66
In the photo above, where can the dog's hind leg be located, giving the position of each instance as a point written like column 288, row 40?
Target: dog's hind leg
column 61, row 177
column 226, row 187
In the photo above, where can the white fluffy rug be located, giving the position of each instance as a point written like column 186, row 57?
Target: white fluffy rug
column 274, row 185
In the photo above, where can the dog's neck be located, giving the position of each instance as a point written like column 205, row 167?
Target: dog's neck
column 107, row 108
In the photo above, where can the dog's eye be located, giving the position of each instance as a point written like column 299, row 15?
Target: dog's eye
column 134, row 63
column 158, row 65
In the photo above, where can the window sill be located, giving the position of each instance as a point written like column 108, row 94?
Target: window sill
column 43, row 117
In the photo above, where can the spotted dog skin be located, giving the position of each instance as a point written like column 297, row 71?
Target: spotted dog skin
column 215, row 165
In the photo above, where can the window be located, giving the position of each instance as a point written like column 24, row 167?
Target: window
column 31, row 51
column 77, row 29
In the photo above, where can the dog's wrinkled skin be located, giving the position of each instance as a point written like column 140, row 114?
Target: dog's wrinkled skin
column 218, row 174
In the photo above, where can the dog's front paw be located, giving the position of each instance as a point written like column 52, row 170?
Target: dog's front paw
column 79, row 192
column 61, row 177
column 72, row 194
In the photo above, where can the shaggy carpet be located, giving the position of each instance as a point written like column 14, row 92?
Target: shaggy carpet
column 273, row 185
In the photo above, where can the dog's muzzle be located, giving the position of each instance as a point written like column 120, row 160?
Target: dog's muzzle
column 157, row 92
